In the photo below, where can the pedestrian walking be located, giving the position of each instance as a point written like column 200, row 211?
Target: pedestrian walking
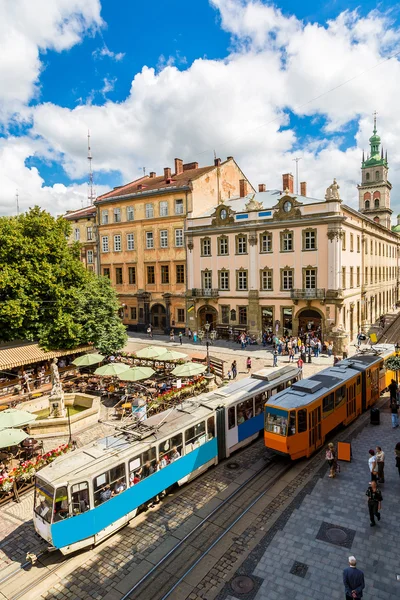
column 373, row 466
column 150, row 331
column 397, row 456
column 394, row 409
column 393, row 387
column 330, row 456
column 380, row 459
column 180, row 338
column 248, row 364
column 353, row 580
column 300, row 364
column 172, row 335
column 330, row 349
column 234, row 369
column 275, row 357
column 374, row 502
column 189, row 334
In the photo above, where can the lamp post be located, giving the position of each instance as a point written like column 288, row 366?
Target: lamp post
column 397, row 350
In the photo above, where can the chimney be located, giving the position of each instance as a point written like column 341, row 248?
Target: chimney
column 261, row 187
column 229, row 158
column 288, row 182
column 167, row 173
column 303, row 188
column 152, row 174
column 217, row 162
column 190, row 166
column 178, row 166
column 243, row 187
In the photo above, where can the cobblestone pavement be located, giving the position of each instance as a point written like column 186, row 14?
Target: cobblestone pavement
column 293, row 543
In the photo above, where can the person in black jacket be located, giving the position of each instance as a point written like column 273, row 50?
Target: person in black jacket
column 374, row 502
column 353, row 580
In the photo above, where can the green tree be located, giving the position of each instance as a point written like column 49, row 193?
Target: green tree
column 393, row 364
column 43, row 286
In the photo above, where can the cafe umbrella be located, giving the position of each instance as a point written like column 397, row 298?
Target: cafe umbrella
column 11, row 437
column 136, row 374
column 111, row 369
column 151, row 352
column 15, row 418
column 87, row 360
column 171, row 355
column 189, row 370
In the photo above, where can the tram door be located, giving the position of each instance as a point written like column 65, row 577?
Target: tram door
column 351, row 400
column 314, row 429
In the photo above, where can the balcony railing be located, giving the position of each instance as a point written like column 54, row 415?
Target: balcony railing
column 308, row 294
column 204, row 293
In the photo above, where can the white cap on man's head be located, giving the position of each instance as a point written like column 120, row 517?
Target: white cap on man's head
column 352, row 560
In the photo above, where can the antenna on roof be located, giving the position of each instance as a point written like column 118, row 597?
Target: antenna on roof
column 17, row 200
column 91, row 192
column 296, row 160
column 144, row 170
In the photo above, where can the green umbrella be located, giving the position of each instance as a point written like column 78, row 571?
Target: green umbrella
column 87, row 360
column 171, row 355
column 11, row 437
column 136, row 374
column 188, row 370
column 15, row 418
column 151, row 352
column 111, row 369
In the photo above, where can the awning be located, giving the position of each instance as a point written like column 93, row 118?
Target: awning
column 25, row 354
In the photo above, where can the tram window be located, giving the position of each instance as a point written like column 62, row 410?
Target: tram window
column 276, row 423
column 340, row 396
column 44, row 494
column 259, row 404
column 244, row 411
column 292, row 423
column 281, row 387
column 274, row 391
column 302, row 420
column 117, row 479
column 195, row 436
column 80, row 498
column 231, row 417
column 359, row 383
column 165, row 448
column 328, row 403
column 61, row 504
column 109, row 483
column 149, row 455
column 211, row 428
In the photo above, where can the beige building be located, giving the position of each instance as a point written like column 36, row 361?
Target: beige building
column 275, row 259
column 83, row 223
column 141, row 237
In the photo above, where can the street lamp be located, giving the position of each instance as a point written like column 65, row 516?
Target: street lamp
column 397, row 348
column 207, row 328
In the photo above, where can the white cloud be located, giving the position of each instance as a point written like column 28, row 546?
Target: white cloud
column 105, row 52
column 30, row 26
column 109, row 84
column 239, row 106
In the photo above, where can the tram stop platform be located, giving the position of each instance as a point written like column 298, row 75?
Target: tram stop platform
column 303, row 555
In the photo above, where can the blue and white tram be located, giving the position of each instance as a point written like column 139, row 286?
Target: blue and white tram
column 83, row 497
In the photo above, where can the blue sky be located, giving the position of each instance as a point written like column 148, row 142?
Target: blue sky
column 86, row 82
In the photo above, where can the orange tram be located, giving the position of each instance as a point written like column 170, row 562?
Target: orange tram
column 298, row 419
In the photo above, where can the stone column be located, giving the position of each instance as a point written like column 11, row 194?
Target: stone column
column 254, row 317
column 167, row 299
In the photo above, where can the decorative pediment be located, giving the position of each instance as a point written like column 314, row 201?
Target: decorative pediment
column 223, row 215
column 253, row 204
column 287, row 208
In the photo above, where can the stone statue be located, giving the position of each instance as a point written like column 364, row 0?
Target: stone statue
column 332, row 192
column 56, row 398
column 253, row 204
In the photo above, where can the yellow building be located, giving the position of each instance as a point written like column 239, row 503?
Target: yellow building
column 141, row 229
column 83, row 222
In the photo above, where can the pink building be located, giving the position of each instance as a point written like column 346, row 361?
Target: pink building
column 275, row 259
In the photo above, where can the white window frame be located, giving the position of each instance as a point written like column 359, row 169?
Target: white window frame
column 130, row 213
column 149, row 208
column 104, row 216
column 163, row 208
column 310, row 276
column 117, row 214
column 118, row 243
column 77, row 234
column 149, row 240
column 207, row 280
column 310, row 240
column 163, row 238
column 179, row 206
column 105, row 247
column 266, row 242
column 267, row 280
column 224, row 280
column 178, row 238
column 130, row 241
column 89, row 257
column 242, row 244
column 206, row 243
column 89, row 233
column 287, row 277
column 287, row 242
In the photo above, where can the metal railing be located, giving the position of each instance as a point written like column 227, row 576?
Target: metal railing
column 308, row 294
column 205, row 293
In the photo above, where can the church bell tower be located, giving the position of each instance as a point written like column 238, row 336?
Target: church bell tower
column 374, row 190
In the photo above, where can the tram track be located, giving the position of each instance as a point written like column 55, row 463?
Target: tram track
column 152, row 584
column 31, row 590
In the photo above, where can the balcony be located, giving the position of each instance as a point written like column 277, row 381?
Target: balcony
column 309, row 294
column 204, row 293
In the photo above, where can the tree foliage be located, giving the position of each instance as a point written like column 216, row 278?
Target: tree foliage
column 46, row 294
column 393, row 363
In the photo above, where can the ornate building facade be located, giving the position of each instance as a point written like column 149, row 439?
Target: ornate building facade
column 274, row 259
column 141, row 237
column 84, row 231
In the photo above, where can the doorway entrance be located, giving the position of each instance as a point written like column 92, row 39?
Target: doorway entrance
column 158, row 316
column 207, row 314
column 310, row 321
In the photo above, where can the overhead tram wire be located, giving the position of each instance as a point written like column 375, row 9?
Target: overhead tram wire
column 300, row 106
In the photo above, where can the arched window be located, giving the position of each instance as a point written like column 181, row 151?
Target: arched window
column 367, row 176
column 377, row 175
column 367, row 204
column 376, row 202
